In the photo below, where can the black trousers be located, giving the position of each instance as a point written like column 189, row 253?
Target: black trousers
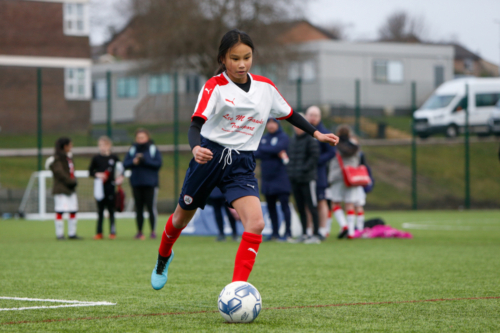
column 218, row 204
column 273, row 213
column 107, row 203
column 305, row 195
column 145, row 195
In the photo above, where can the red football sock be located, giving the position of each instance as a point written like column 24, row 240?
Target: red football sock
column 169, row 237
column 245, row 257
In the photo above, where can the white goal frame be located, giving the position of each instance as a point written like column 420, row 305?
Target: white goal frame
column 40, row 178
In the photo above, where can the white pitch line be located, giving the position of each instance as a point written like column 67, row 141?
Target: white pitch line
column 68, row 304
column 43, row 300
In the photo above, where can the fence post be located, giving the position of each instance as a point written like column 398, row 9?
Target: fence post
column 467, row 153
column 109, row 129
column 414, row 195
column 357, row 108
column 299, row 94
column 176, row 136
column 39, row 115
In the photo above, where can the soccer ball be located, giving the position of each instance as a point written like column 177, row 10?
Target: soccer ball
column 239, row 302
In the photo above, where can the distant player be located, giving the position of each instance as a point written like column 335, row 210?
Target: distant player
column 348, row 151
column 64, row 187
column 107, row 169
column 231, row 115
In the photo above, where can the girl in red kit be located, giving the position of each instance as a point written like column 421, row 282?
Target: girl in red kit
column 226, row 128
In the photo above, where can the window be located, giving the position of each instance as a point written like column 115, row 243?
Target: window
column 388, row 71
column 462, row 105
column 100, row 89
column 268, row 71
column 438, row 76
column 77, row 83
column 127, row 87
column 489, row 99
column 437, row 102
column 159, row 84
column 76, row 19
column 193, row 83
column 306, row 70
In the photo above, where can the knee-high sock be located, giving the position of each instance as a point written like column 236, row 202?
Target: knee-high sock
column 360, row 221
column 350, row 222
column 245, row 257
column 59, row 225
column 169, row 237
column 339, row 216
column 72, row 225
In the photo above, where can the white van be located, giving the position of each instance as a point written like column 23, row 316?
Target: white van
column 494, row 121
column 444, row 111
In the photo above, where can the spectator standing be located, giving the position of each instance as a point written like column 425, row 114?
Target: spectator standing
column 144, row 160
column 64, row 187
column 107, row 171
column 275, row 184
column 302, row 169
column 326, row 153
column 349, row 151
column 218, row 201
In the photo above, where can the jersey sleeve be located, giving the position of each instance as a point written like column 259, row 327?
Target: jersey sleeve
column 207, row 99
column 280, row 108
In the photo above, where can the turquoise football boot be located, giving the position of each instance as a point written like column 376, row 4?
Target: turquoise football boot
column 159, row 276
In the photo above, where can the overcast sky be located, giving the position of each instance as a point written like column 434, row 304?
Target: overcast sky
column 470, row 22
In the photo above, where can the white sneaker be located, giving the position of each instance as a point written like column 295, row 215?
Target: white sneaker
column 313, row 240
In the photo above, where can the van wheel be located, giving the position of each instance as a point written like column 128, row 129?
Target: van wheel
column 423, row 135
column 451, row 131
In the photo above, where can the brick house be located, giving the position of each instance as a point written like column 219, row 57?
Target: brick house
column 52, row 35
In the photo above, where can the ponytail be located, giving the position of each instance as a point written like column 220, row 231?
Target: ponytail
column 221, row 69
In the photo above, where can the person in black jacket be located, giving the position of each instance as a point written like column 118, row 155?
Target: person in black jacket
column 303, row 153
column 104, row 167
column 275, row 184
column 145, row 161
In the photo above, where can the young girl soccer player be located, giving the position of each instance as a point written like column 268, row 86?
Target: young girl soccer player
column 64, row 188
column 231, row 114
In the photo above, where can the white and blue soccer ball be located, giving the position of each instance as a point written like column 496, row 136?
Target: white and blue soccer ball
column 239, row 302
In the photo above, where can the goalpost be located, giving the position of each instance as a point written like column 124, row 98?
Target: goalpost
column 38, row 201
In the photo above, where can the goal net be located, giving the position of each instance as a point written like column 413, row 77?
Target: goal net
column 38, row 201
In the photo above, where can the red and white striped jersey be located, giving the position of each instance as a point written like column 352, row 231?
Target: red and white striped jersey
column 234, row 118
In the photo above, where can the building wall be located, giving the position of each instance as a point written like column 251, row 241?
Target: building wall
column 339, row 64
column 36, row 29
column 18, row 102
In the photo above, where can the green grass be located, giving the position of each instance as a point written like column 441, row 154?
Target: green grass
column 460, row 261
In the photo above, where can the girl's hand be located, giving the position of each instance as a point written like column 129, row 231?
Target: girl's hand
column 329, row 138
column 119, row 180
column 202, row 155
column 100, row 175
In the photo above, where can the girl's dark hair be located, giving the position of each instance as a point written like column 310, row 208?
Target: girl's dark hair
column 60, row 143
column 230, row 39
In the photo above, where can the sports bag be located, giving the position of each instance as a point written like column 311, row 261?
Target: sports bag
column 354, row 176
column 119, row 199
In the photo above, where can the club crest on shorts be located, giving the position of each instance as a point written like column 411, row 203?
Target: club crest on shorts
column 188, row 200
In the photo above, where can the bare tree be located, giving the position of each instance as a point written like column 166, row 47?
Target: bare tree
column 338, row 30
column 401, row 27
column 174, row 34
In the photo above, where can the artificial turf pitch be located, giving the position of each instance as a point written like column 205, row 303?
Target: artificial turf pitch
column 444, row 279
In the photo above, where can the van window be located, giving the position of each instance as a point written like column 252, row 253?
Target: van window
column 437, row 102
column 488, row 99
column 461, row 105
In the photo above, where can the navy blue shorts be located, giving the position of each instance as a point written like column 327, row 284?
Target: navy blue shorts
column 235, row 180
column 321, row 193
